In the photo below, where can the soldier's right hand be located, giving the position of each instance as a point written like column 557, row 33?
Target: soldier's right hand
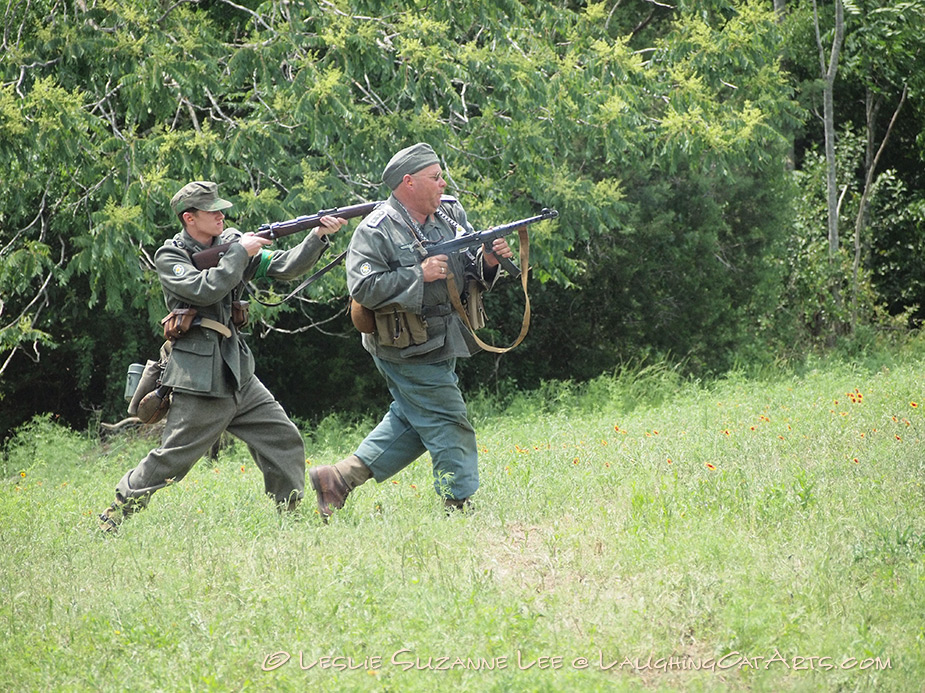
column 435, row 268
column 253, row 244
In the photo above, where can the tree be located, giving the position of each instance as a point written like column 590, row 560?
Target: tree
column 657, row 133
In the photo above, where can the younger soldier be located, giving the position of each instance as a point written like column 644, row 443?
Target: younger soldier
column 211, row 368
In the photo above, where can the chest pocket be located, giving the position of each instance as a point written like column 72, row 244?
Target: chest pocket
column 190, row 365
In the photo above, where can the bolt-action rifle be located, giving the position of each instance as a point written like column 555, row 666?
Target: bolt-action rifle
column 473, row 240
column 210, row 256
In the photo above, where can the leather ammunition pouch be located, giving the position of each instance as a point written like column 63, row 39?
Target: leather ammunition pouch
column 240, row 314
column 363, row 318
column 178, row 322
column 398, row 328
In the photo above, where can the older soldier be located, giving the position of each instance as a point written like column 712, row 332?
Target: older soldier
column 418, row 336
column 211, row 368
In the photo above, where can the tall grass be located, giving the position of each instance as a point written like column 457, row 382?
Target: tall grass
column 638, row 532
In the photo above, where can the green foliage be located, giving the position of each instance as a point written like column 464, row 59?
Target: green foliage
column 659, row 134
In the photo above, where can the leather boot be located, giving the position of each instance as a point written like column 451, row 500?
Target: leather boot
column 451, row 505
column 112, row 517
column 333, row 483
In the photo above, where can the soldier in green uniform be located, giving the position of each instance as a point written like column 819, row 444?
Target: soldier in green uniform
column 211, row 368
column 418, row 336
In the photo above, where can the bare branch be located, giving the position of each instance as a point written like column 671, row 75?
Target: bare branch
column 249, row 11
column 170, row 9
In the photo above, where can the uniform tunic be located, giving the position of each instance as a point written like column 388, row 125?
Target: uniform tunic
column 428, row 412
column 213, row 381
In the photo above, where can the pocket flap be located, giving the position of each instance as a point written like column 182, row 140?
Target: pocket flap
column 194, row 346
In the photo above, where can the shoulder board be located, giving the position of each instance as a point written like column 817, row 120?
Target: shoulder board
column 375, row 217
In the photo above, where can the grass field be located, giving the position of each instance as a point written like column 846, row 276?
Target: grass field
column 635, row 533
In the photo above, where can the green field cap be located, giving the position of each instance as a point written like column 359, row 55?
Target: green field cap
column 198, row 195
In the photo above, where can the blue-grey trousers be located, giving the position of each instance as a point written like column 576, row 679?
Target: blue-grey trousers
column 427, row 414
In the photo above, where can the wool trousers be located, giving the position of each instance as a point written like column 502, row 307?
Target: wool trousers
column 427, row 414
column 194, row 423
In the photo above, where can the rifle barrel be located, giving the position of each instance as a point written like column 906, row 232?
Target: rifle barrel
column 211, row 256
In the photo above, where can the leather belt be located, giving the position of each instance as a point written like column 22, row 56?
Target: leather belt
column 213, row 325
column 436, row 311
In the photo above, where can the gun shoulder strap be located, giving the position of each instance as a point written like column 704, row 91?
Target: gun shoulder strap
column 317, row 275
column 525, row 325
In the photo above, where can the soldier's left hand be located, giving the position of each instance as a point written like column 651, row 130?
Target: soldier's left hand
column 329, row 224
column 499, row 248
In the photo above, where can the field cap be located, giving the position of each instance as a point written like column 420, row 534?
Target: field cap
column 408, row 161
column 198, row 195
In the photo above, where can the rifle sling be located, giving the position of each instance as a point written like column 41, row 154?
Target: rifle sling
column 525, row 325
column 317, row 275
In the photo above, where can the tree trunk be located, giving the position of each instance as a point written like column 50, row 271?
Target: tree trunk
column 871, row 165
column 828, row 116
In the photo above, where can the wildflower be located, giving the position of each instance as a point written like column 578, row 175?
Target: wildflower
column 913, row 404
column 242, row 468
column 711, row 466
column 726, row 432
column 607, row 464
column 856, row 460
column 215, row 470
column 898, row 438
column 669, row 460
column 22, row 474
column 575, row 461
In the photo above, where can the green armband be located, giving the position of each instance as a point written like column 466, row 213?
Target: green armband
column 265, row 257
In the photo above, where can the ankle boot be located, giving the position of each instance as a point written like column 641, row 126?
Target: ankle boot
column 451, row 505
column 112, row 517
column 333, row 483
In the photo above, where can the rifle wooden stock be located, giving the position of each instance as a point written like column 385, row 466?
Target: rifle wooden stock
column 211, row 256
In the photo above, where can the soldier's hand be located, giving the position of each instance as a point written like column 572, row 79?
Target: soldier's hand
column 435, row 268
column 499, row 248
column 329, row 224
column 253, row 244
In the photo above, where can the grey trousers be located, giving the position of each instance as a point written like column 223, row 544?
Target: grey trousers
column 194, row 423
